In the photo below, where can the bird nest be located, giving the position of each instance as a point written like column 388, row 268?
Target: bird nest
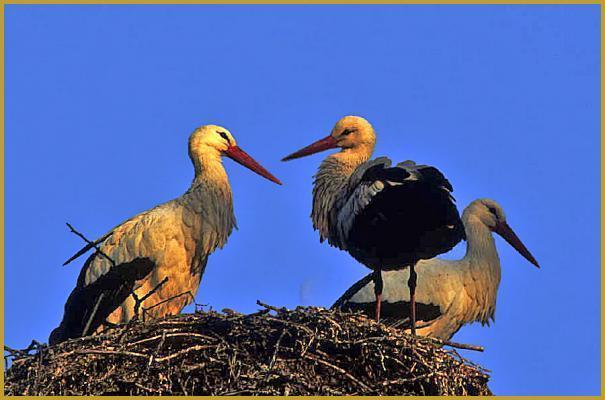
column 306, row 351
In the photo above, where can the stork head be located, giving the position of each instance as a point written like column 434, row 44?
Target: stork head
column 350, row 132
column 213, row 141
column 490, row 214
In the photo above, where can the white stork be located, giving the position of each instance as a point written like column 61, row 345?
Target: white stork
column 172, row 240
column 451, row 293
column 385, row 217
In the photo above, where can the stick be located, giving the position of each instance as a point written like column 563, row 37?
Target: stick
column 452, row 344
column 138, row 302
column 170, row 299
column 275, row 351
column 185, row 351
column 267, row 306
column 92, row 315
column 170, row 335
column 106, row 352
column 336, row 368
column 89, row 246
column 34, row 345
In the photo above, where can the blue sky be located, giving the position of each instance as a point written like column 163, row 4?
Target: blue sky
column 100, row 101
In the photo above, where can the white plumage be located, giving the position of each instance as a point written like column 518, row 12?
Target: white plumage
column 450, row 293
column 387, row 217
column 172, row 240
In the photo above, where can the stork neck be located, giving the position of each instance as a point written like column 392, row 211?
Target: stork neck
column 480, row 241
column 339, row 166
column 211, row 183
column 209, row 169
column 330, row 180
column 483, row 265
column 210, row 196
column 356, row 155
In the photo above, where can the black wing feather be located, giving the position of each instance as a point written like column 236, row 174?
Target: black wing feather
column 413, row 217
column 109, row 291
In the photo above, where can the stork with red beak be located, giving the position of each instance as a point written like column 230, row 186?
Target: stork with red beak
column 451, row 293
column 386, row 217
column 171, row 243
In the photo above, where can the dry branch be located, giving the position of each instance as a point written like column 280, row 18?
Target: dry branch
column 89, row 245
column 138, row 302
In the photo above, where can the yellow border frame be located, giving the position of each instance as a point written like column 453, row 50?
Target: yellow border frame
column 310, row 2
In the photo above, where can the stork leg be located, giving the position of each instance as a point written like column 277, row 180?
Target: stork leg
column 378, row 291
column 412, row 286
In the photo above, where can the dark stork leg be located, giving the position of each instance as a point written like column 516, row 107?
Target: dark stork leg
column 412, row 286
column 378, row 291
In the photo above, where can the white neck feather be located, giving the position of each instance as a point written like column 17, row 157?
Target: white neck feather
column 483, row 264
column 480, row 242
column 210, row 196
column 330, row 180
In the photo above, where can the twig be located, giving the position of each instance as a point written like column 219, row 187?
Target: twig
column 146, row 388
column 161, row 343
column 185, row 351
column 170, row 299
column 451, row 344
column 336, row 368
column 267, row 306
column 274, row 356
column 408, row 380
column 403, row 323
column 169, row 335
column 34, row 345
column 107, row 352
column 291, row 323
column 89, row 246
column 92, row 315
column 138, row 302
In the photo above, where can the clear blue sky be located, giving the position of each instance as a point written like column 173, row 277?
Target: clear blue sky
column 100, row 101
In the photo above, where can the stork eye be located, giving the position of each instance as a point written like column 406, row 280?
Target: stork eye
column 224, row 136
column 347, row 132
column 493, row 211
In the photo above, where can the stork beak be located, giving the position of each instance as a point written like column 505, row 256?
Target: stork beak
column 241, row 157
column 323, row 144
column 504, row 230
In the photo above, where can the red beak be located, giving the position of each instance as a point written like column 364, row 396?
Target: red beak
column 323, row 144
column 241, row 157
column 504, row 230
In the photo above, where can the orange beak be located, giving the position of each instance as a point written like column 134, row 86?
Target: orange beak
column 241, row 157
column 507, row 233
column 323, row 144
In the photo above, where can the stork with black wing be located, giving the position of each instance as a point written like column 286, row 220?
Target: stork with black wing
column 387, row 218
